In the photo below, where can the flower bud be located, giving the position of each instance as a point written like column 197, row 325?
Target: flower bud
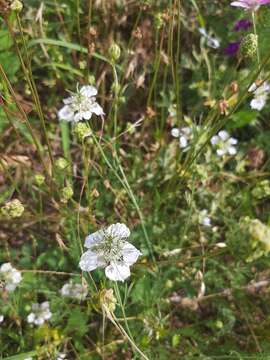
column 114, row 52
column 249, row 46
column 16, row 5
column 260, row 233
column 39, row 179
column 82, row 131
column 107, row 300
column 66, row 194
column 61, row 163
column 12, row 209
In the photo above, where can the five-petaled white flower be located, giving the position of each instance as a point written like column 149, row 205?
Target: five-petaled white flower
column 224, row 143
column 260, row 91
column 81, row 105
column 10, row 276
column 108, row 248
column 75, row 291
column 40, row 313
column 184, row 134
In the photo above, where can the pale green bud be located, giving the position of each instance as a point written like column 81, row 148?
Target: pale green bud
column 12, row 209
column 16, row 5
column 108, row 300
column 249, row 46
column 66, row 194
column 260, row 233
column 82, row 131
column 61, row 163
column 158, row 21
column 39, row 179
column 261, row 190
column 114, row 52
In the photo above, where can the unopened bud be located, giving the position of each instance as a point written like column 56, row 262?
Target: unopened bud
column 114, row 52
column 66, row 194
column 12, row 209
column 61, row 163
column 82, row 131
column 108, row 300
column 249, row 46
column 16, row 5
column 39, row 179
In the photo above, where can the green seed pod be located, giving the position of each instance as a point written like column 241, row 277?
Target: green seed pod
column 249, row 46
column 114, row 52
column 82, row 131
column 39, row 179
column 12, row 209
column 61, row 163
column 66, row 194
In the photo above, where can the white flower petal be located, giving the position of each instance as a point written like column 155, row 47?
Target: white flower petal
column 94, row 239
column 86, row 115
column 183, row 142
column 232, row 150
column 97, row 109
column 220, row 152
column 88, row 91
column 117, row 272
column 175, row 132
column 214, row 140
column 6, row 267
column 223, row 135
column 130, row 253
column 66, row 113
column 30, row 318
column 232, row 141
column 257, row 103
column 90, row 261
column 120, row 231
column 78, row 116
column 252, row 88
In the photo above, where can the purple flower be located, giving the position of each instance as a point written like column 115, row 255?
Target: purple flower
column 232, row 48
column 243, row 24
column 250, row 4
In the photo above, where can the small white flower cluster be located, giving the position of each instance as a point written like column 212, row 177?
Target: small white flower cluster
column 184, row 134
column 260, row 91
column 2, row 318
column 108, row 248
column 224, row 143
column 210, row 40
column 81, row 105
column 40, row 313
column 204, row 218
column 75, row 291
column 10, row 277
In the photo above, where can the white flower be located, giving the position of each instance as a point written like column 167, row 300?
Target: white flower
column 81, row 105
column 76, row 291
column 40, row 313
column 61, row 356
column 1, row 318
column 184, row 134
column 260, row 92
column 29, row 358
column 108, row 248
column 10, row 276
column 210, row 40
column 204, row 219
column 224, row 143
